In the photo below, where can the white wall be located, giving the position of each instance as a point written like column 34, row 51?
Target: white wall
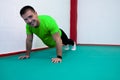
column 99, row 21
column 12, row 26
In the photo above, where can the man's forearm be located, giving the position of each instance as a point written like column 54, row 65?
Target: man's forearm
column 59, row 48
column 28, row 47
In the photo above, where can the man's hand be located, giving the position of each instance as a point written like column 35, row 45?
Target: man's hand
column 56, row 60
column 24, row 57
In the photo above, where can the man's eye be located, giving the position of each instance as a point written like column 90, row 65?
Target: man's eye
column 25, row 19
column 30, row 16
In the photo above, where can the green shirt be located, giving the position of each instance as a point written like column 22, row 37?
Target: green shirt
column 46, row 29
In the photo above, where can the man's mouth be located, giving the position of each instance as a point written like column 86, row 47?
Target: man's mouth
column 32, row 23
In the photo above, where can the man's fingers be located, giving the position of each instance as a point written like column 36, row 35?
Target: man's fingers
column 20, row 57
column 23, row 57
column 56, row 60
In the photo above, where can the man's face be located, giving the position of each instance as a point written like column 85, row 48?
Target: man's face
column 31, row 18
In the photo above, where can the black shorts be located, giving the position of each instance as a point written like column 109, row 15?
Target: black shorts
column 65, row 39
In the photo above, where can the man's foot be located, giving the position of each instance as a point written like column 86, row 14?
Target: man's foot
column 67, row 47
column 73, row 47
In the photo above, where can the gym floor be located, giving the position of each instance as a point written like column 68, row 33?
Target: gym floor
column 86, row 63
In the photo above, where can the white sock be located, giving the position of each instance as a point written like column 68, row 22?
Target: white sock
column 73, row 47
column 67, row 47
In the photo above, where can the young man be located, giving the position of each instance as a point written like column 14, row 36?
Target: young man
column 47, row 30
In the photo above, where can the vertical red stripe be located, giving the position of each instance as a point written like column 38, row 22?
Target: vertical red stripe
column 73, row 20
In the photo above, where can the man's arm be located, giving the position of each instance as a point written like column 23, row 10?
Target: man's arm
column 29, row 40
column 58, row 41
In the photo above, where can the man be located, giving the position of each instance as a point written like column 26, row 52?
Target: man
column 47, row 30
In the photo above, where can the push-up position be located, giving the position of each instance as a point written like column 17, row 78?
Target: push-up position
column 46, row 28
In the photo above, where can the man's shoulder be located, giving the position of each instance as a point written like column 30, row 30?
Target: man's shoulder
column 44, row 17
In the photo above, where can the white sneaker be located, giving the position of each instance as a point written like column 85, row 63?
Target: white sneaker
column 67, row 47
column 73, row 47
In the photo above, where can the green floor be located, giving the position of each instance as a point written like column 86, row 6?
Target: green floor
column 86, row 63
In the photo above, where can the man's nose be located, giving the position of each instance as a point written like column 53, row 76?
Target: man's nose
column 29, row 20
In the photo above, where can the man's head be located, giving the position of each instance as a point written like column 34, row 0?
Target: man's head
column 30, row 16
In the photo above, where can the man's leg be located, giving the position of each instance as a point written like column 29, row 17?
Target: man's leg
column 66, row 41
